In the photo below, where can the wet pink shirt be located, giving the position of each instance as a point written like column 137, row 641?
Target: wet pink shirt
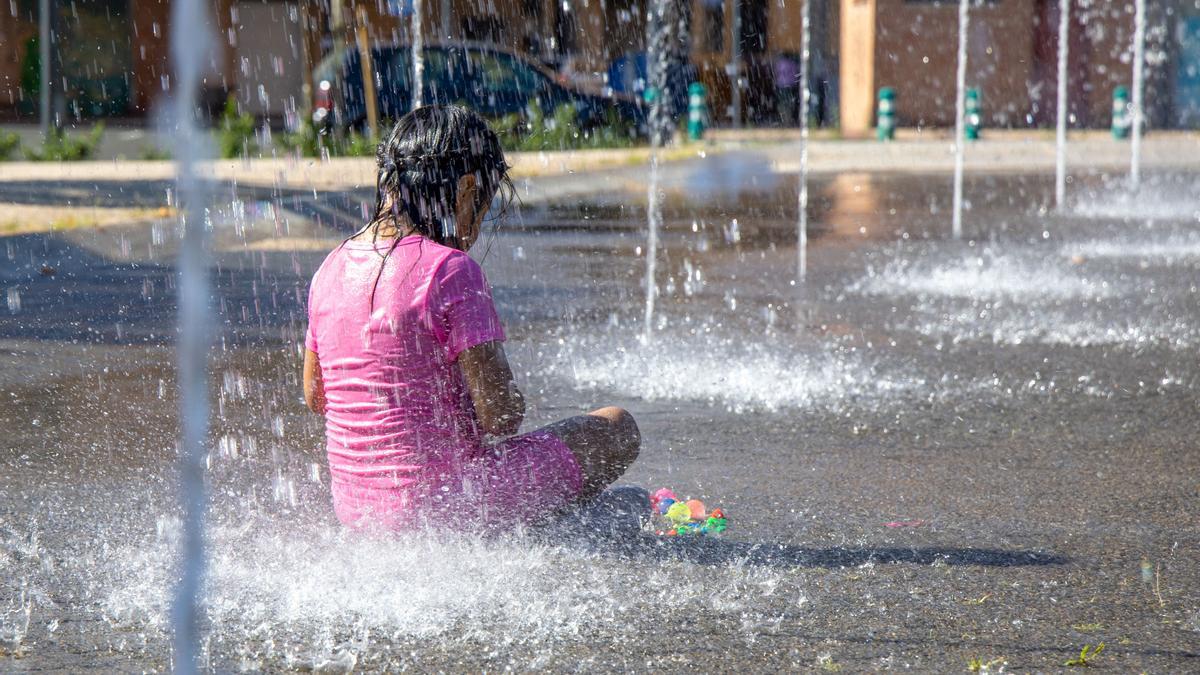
column 402, row 438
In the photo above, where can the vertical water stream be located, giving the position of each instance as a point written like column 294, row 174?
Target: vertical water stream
column 418, row 56
column 190, row 50
column 802, row 223
column 1060, row 146
column 1139, row 76
column 960, row 116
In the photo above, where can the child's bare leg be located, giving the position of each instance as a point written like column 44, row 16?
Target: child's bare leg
column 605, row 442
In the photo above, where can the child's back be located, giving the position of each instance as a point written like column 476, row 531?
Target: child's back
column 398, row 413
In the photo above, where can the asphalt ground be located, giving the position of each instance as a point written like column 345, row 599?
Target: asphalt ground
column 932, row 451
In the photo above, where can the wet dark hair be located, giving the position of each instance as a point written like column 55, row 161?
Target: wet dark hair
column 421, row 162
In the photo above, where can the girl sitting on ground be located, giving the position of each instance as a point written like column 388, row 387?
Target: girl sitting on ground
column 405, row 357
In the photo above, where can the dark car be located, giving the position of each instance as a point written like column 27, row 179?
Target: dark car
column 489, row 80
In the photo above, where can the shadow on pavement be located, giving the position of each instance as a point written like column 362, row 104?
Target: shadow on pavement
column 708, row 551
column 611, row 524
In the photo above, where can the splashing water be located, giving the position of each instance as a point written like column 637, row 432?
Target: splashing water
column 742, row 374
column 1157, row 198
column 1011, row 324
column 14, row 625
column 1172, row 249
column 990, row 276
column 1022, row 298
column 298, row 593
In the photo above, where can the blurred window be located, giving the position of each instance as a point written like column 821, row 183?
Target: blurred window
column 754, row 26
column 714, row 26
column 439, row 79
column 503, row 74
column 395, row 68
column 393, row 73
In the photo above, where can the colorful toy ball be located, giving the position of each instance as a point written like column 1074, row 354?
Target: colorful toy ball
column 684, row 517
column 679, row 513
column 661, row 494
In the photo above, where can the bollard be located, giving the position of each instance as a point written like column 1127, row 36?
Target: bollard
column 974, row 121
column 1120, row 113
column 697, row 111
column 885, row 122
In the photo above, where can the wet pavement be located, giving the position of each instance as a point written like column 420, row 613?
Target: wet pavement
column 931, row 451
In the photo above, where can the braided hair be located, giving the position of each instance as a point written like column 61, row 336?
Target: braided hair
column 421, row 162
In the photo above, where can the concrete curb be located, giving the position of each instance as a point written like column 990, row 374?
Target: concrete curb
column 331, row 174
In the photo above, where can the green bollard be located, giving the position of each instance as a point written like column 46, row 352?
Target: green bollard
column 1120, row 113
column 885, row 120
column 697, row 111
column 974, row 121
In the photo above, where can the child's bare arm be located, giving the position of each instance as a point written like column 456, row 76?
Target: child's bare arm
column 314, row 386
column 499, row 405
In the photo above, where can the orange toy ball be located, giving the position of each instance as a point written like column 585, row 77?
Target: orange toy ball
column 717, row 513
column 696, row 507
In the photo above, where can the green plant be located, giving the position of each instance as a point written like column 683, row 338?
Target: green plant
column 981, row 666
column 31, row 69
column 534, row 131
column 357, row 145
column 1087, row 656
column 236, row 136
column 303, row 141
column 307, row 142
column 62, row 147
column 9, row 143
column 826, row 663
column 154, row 153
column 616, row 132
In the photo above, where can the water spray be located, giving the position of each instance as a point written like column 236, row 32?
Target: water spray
column 1060, row 157
column 191, row 49
column 802, row 224
column 660, row 30
column 418, row 57
column 1139, row 63
column 960, row 116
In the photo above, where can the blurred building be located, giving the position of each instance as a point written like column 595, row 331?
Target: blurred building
column 911, row 46
column 114, row 53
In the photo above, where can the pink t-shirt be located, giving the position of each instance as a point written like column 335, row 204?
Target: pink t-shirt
column 399, row 420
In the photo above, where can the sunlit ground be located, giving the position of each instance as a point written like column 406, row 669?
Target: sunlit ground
column 1024, row 401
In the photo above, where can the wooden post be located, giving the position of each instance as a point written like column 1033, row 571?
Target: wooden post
column 368, row 74
column 856, row 65
column 307, row 28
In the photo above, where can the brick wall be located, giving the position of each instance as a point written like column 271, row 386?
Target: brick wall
column 14, row 34
column 916, row 53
